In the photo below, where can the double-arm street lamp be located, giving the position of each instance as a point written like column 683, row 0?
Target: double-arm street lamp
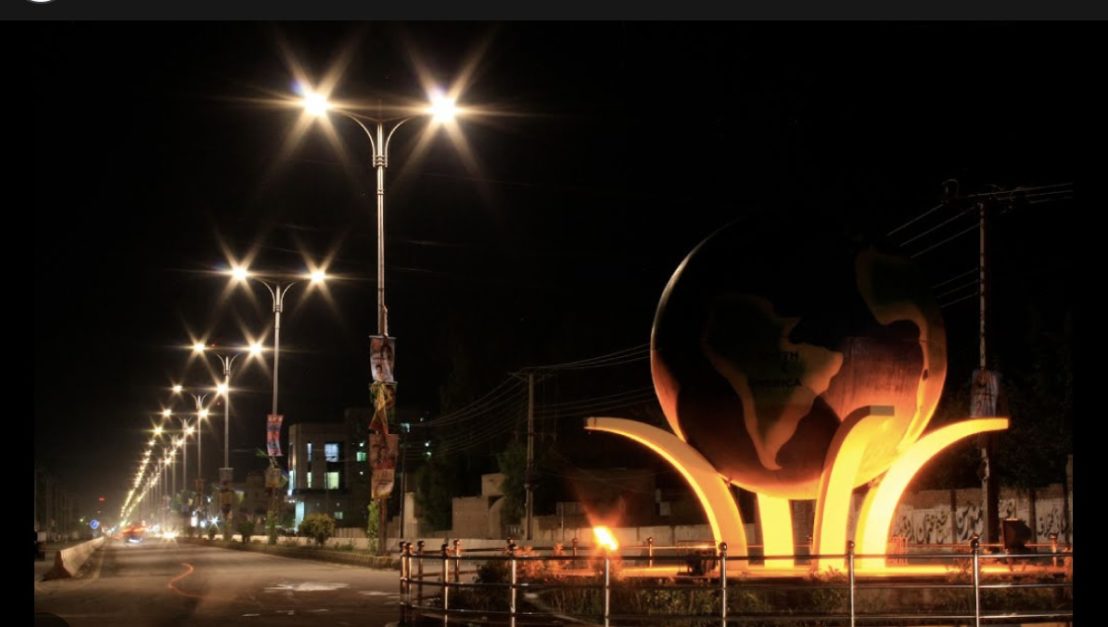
column 379, row 132
column 441, row 109
column 227, row 360
column 201, row 416
column 278, row 290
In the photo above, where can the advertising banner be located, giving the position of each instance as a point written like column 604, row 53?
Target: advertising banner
column 382, row 358
column 273, row 434
column 383, row 454
column 384, row 406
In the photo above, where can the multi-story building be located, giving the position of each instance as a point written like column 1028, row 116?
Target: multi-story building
column 328, row 471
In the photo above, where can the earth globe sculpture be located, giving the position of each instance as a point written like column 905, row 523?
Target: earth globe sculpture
column 772, row 332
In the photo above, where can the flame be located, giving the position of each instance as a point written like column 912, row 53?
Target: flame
column 605, row 539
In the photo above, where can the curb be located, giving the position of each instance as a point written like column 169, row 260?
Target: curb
column 319, row 555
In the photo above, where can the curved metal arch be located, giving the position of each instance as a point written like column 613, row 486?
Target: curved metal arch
column 710, row 487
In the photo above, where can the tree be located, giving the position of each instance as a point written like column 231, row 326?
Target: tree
column 437, row 482
column 513, row 463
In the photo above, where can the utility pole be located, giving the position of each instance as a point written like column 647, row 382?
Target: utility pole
column 529, row 477
column 403, row 477
column 990, row 489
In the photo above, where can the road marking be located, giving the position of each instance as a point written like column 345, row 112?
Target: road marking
column 171, row 585
column 306, row 586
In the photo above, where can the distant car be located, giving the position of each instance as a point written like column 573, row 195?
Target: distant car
column 134, row 533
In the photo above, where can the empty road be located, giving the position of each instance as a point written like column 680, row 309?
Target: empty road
column 162, row 583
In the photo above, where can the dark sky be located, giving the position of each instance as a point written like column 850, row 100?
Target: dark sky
column 617, row 147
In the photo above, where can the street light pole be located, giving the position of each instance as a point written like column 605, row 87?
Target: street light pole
column 441, row 109
column 227, row 360
column 201, row 414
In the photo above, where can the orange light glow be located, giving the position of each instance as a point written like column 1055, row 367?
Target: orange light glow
column 605, row 539
column 875, row 518
column 777, row 529
column 844, row 461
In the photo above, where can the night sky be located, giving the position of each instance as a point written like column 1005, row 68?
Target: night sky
column 607, row 152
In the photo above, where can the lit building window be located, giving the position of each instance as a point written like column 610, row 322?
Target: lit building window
column 333, row 480
column 331, row 451
column 309, row 475
column 338, row 515
column 309, row 452
column 361, row 456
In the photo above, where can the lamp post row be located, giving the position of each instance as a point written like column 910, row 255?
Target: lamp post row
column 441, row 109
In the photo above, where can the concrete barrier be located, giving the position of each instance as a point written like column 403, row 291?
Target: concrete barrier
column 67, row 562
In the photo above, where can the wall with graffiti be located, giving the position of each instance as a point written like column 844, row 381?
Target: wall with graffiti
column 954, row 516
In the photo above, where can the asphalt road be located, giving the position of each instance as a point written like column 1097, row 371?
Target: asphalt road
column 162, row 583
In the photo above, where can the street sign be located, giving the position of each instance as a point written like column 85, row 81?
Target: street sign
column 95, row 524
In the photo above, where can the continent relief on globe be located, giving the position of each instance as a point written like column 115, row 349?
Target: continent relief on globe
column 776, row 380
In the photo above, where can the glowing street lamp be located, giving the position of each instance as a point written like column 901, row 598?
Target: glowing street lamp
column 441, row 109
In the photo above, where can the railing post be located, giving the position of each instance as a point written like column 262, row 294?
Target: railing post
column 650, row 551
column 850, row 569
column 408, row 549
column 975, row 545
column 403, row 573
column 1054, row 548
column 457, row 559
column 723, row 583
column 607, row 587
column 419, row 573
column 405, row 578
column 445, row 581
column 513, row 581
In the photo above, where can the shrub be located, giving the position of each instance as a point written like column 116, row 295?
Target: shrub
column 246, row 528
column 211, row 532
column 318, row 527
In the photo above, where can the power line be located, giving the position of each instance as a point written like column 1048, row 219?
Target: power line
column 915, row 219
column 625, row 355
column 934, row 246
column 936, row 227
column 955, row 278
column 961, row 287
column 956, row 301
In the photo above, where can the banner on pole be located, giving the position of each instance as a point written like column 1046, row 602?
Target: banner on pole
column 382, row 358
column 226, row 476
column 984, row 389
column 273, row 478
column 384, row 406
column 383, row 453
column 273, row 434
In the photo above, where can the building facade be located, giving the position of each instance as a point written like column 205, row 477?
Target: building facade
column 328, row 471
